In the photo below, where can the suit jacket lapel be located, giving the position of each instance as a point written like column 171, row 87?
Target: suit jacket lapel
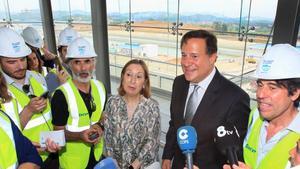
column 183, row 96
column 209, row 97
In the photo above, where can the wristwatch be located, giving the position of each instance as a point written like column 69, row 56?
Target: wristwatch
column 101, row 125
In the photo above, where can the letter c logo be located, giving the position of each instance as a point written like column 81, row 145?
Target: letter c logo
column 183, row 134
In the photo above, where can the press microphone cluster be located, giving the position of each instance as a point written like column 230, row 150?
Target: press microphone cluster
column 187, row 141
column 227, row 140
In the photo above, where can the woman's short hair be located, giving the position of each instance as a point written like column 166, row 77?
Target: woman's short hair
column 146, row 90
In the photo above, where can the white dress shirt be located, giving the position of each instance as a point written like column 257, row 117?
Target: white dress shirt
column 203, row 86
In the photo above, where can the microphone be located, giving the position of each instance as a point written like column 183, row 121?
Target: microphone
column 107, row 163
column 227, row 140
column 187, row 141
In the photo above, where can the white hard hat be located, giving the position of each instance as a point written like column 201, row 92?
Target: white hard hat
column 80, row 48
column 66, row 36
column 12, row 44
column 281, row 61
column 32, row 37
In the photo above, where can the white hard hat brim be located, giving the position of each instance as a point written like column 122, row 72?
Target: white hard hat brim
column 254, row 76
column 82, row 57
column 36, row 45
column 25, row 53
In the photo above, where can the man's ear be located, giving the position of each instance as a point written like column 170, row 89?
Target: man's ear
column 213, row 58
column 295, row 95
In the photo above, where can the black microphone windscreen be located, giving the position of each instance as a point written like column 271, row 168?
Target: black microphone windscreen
column 227, row 137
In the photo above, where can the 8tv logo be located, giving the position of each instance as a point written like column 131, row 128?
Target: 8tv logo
column 221, row 131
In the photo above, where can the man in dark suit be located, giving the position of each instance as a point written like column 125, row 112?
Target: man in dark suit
column 218, row 99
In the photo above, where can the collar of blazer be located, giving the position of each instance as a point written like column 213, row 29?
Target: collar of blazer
column 209, row 96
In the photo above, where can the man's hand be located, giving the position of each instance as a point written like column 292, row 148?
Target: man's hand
column 36, row 105
column 62, row 75
column 166, row 164
column 98, row 129
column 38, row 147
column 28, row 165
column 241, row 166
column 84, row 136
column 47, row 54
column 295, row 155
column 51, row 146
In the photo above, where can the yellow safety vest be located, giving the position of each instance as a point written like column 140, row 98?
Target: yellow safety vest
column 39, row 121
column 76, row 154
column 8, row 156
column 278, row 157
column 12, row 109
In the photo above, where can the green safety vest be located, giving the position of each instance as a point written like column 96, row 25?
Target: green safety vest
column 12, row 110
column 8, row 156
column 278, row 157
column 39, row 121
column 76, row 154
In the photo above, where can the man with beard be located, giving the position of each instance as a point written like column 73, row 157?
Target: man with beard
column 77, row 107
column 26, row 87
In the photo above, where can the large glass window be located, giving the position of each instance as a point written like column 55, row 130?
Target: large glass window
column 24, row 11
column 119, row 33
column 19, row 14
column 3, row 12
column 73, row 13
column 243, row 28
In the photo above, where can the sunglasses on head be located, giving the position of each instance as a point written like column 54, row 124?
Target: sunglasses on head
column 92, row 104
column 26, row 89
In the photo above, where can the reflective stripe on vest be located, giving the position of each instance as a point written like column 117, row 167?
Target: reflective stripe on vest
column 39, row 121
column 8, row 156
column 77, row 154
column 271, row 159
column 75, row 103
column 12, row 110
column 44, row 71
column 102, row 92
column 73, row 110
